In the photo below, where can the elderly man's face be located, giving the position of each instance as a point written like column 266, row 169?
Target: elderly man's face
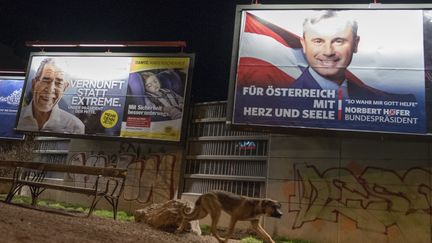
column 329, row 46
column 48, row 90
column 152, row 84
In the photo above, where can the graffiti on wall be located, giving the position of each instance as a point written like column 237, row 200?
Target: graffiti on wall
column 151, row 175
column 375, row 199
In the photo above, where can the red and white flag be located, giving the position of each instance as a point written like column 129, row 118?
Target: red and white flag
column 271, row 55
column 268, row 54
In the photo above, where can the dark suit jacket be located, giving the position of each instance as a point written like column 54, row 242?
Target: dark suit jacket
column 356, row 89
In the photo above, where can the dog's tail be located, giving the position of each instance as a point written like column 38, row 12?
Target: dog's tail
column 194, row 212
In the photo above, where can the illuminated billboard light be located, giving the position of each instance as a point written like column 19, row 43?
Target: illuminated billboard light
column 44, row 44
column 101, row 45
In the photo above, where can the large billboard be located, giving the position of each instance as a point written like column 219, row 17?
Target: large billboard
column 10, row 95
column 140, row 96
column 359, row 69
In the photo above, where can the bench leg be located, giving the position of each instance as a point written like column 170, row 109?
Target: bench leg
column 35, row 192
column 114, row 203
column 14, row 189
column 93, row 205
column 115, row 207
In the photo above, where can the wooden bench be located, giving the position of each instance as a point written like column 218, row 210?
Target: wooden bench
column 109, row 182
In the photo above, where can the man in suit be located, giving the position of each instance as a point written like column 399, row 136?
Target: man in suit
column 329, row 42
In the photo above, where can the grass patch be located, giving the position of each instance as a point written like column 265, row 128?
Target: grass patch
column 250, row 239
column 21, row 200
column 71, row 207
column 283, row 239
column 205, row 229
column 277, row 239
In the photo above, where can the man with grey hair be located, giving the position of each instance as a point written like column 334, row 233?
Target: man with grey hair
column 43, row 113
column 329, row 42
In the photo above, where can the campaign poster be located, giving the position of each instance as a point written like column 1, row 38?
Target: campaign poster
column 74, row 95
column 107, row 95
column 355, row 69
column 10, row 95
column 155, row 98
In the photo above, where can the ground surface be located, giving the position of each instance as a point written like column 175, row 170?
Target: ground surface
column 18, row 224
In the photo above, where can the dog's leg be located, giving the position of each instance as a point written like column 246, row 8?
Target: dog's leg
column 215, row 215
column 261, row 232
column 230, row 229
column 182, row 225
column 213, row 207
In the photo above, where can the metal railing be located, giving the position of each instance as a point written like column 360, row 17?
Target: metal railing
column 218, row 158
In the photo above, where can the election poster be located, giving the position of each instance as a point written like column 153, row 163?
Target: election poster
column 121, row 95
column 10, row 95
column 348, row 69
column 157, row 113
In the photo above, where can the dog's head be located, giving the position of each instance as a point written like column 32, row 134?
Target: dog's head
column 272, row 208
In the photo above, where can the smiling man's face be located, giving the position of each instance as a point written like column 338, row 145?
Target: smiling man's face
column 329, row 46
column 48, row 90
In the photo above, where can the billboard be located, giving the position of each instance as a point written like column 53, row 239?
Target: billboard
column 10, row 95
column 338, row 69
column 140, row 96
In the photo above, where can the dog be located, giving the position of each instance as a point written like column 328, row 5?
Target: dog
column 240, row 208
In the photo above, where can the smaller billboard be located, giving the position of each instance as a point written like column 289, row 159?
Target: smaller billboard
column 10, row 95
column 124, row 95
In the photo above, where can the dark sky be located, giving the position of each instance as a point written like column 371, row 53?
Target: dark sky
column 207, row 27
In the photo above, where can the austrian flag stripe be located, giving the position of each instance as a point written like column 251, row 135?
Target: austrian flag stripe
column 340, row 96
column 268, row 55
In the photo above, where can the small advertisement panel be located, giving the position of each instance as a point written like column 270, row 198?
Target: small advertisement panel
column 121, row 95
column 332, row 69
column 10, row 95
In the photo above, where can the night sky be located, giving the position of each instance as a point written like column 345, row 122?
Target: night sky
column 206, row 26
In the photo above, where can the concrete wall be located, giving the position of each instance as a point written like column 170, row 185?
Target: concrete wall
column 350, row 190
column 153, row 171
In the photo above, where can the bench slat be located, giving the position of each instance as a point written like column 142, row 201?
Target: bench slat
column 6, row 179
column 83, row 190
column 78, row 169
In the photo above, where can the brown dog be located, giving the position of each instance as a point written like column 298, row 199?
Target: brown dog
column 238, row 207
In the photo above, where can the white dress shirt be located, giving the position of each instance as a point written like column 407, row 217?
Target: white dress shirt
column 59, row 121
column 328, row 84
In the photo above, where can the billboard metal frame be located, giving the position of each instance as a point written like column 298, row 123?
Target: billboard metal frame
column 191, row 57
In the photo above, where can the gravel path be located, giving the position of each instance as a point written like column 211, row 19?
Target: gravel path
column 18, row 224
